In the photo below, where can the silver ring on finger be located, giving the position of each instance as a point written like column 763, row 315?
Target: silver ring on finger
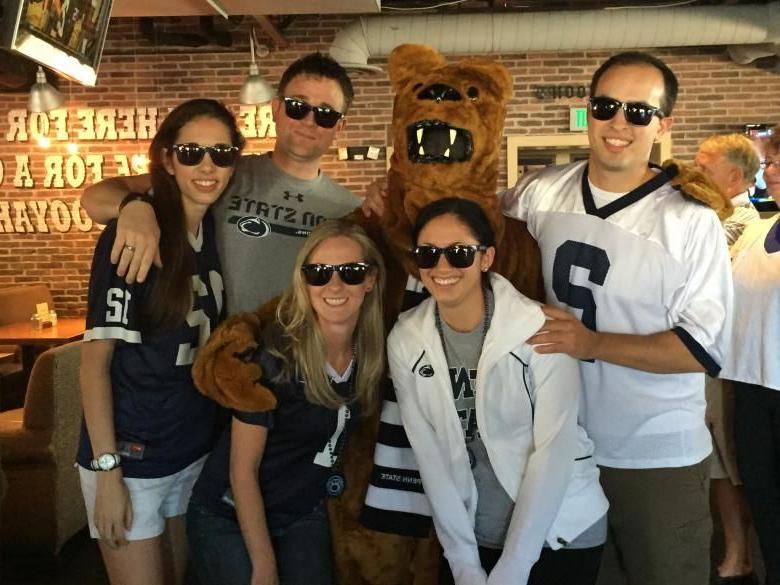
column 130, row 248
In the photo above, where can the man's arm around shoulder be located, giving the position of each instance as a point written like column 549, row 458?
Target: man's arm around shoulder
column 660, row 353
column 136, row 246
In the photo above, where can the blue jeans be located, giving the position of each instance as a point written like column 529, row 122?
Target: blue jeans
column 219, row 557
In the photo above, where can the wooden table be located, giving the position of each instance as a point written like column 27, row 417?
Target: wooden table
column 22, row 334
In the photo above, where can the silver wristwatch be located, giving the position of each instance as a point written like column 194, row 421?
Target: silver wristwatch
column 105, row 462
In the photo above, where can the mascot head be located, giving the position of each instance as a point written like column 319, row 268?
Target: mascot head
column 447, row 124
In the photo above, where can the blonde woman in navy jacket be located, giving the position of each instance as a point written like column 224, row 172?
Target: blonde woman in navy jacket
column 493, row 424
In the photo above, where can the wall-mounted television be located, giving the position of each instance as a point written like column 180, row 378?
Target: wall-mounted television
column 65, row 35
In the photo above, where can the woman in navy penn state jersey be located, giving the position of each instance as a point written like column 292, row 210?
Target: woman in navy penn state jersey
column 257, row 513
column 147, row 430
column 493, row 424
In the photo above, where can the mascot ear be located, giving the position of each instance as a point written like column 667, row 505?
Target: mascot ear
column 496, row 74
column 406, row 61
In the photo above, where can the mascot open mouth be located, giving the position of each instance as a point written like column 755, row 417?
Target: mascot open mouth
column 434, row 141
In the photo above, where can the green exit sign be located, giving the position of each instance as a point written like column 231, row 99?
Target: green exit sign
column 578, row 119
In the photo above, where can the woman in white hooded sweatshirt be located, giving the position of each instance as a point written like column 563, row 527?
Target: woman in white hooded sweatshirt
column 508, row 471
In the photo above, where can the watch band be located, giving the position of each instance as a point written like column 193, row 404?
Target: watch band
column 135, row 196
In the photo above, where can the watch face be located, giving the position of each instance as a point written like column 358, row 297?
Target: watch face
column 106, row 461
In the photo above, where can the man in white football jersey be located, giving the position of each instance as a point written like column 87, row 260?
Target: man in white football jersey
column 641, row 286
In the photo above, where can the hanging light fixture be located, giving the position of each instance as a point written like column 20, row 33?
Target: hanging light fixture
column 256, row 90
column 44, row 97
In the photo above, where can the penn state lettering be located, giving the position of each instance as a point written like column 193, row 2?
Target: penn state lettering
column 463, row 381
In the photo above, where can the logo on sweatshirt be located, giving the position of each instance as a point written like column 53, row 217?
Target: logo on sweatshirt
column 426, row 371
column 257, row 227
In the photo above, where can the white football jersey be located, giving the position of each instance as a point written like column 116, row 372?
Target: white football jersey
column 646, row 262
column 753, row 357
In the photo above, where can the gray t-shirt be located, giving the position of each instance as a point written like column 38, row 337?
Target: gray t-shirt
column 494, row 506
column 262, row 220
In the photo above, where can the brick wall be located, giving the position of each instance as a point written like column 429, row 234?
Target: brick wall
column 716, row 96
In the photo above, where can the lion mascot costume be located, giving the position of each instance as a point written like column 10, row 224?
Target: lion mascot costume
column 447, row 131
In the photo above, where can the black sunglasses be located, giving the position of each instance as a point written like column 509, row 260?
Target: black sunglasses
column 458, row 255
column 350, row 273
column 639, row 114
column 222, row 155
column 324, row 116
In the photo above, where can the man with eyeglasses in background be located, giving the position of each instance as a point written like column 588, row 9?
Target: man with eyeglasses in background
column 274, row 199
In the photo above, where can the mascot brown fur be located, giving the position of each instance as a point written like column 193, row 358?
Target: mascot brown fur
column 447, row 130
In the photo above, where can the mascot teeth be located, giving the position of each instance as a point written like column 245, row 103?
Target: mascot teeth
column 434, row 141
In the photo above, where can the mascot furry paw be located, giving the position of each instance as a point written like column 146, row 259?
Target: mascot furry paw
column 223, row 371
column 694, row 184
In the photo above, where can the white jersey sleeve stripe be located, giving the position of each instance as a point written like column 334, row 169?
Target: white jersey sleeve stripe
column 112, row 333
column 399, row 501
column 697, row 351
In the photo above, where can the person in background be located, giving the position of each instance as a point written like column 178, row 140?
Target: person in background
column 493, row 425
column 273, row 203
column 731, row 161
column 753, row 364
column 258, row 514
column 147, row 430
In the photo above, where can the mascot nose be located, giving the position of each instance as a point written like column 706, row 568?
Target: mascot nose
column 439, row 92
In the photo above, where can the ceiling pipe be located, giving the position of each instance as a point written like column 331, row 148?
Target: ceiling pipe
column 522, row 32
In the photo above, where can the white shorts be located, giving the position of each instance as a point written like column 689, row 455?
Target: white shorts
column 153, row 499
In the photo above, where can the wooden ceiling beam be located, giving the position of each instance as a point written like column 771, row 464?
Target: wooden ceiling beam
column 270, row 29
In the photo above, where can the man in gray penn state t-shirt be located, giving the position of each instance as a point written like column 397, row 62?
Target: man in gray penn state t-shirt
column 262, row 220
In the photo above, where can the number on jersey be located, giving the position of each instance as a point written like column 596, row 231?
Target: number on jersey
column 595, row 261
column 117, row 300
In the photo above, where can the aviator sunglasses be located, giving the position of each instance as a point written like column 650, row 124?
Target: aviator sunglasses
column 350, row 273
column 637, row 113
column 458, row 255
column 324, row 116
column 222, row 155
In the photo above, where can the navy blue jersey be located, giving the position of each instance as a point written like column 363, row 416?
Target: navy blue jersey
column 297, row 460
column 162, row 422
